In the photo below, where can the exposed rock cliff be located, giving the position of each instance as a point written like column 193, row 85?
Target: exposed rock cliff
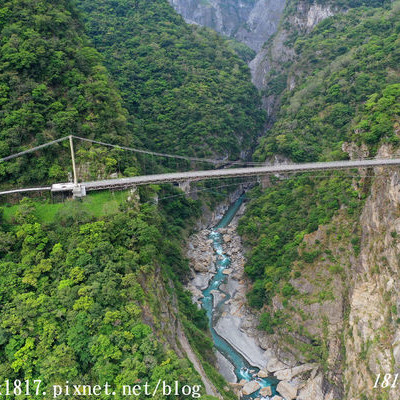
column 373, row 337
column 345, row 312
column 275, row 56
column 249, row 21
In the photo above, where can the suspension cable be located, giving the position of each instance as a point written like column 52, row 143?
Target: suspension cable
column 148, row 152
column 33, row 149
column 153, row 153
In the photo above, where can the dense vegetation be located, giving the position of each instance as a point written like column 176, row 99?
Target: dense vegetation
column 76, row 290
column 186, row 91
column 347, row 90
column 183, row 89
column 277, row 221
column 52, row 84
column 84, row 285
column 347, row 60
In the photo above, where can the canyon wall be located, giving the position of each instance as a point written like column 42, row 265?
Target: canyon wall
column 249, row 21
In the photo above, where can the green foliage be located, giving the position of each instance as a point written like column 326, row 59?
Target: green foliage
column 73, row 297
column 52, row 84
column 276, row 222
column 186, row 91
column 242, row 50
column 269, row 322
column 380, row 116
column 346, row 87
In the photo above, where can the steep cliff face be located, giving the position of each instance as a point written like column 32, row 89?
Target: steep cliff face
column 372, row 339
column 278, row 53
column 334, row 300
column 345, row 310
column 249, row 21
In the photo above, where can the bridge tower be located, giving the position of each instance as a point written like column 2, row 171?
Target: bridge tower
column 78, row 191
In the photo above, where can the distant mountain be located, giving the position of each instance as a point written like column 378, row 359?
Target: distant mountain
column 186, row 90
column 249, row 21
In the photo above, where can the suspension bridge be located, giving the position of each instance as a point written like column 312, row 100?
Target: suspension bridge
column 79, row 188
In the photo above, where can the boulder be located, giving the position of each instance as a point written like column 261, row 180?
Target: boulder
column 266, row 391
column 227, row 238
column 235, row 385
column 290, row 373
column 227, row 271
column 262, row 373
column 288, row 391
column 201, row 266
column 275, row 365
column 250, row 387
column 312, row 389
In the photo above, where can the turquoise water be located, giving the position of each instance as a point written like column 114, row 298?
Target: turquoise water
column 243, row 370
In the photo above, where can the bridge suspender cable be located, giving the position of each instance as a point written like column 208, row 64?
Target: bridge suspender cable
column 135, row 150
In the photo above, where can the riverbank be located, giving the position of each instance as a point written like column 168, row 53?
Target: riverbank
column 230, row 317
column 218, row 284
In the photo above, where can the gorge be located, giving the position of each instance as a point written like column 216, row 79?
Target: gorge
column 300, row 290
column 321, row 314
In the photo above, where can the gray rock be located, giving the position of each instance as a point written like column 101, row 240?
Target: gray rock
column 266, row 391
column 290, row 373
column 228, row 326
column 288, row 391
column 262, row 374
column 274, row 364
column 226, row 369
column 312, row 390
column 251, row 22
column 250, row 388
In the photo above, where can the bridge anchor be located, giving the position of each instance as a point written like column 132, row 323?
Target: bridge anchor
column 78, row 191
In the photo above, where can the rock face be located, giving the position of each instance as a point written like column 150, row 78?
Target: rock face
column 374, row 302
column 288, row 391
column 249, row 21
column 356, row 319
column 302, row 19
column 250, row 388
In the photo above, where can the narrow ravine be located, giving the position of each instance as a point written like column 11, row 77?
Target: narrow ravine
column 214, row 301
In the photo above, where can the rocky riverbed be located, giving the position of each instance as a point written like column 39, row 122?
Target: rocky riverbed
column 235, row 322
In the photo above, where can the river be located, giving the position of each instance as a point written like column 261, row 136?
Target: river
column 241, row 367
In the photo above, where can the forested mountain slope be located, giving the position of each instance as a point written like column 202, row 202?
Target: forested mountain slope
column 185, row 90
column 271, row 65
column 346, row 60
column 182, row 89
column 92, row 291
column 52, row 84
column 321, row 246
column 84, row 299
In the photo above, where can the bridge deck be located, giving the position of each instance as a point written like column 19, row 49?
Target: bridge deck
column 225, row 173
